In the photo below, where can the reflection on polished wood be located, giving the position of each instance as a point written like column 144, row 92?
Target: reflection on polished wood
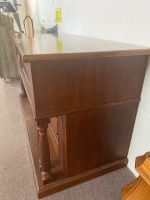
column 44, row 47
column 140, row 188
column 83, row 101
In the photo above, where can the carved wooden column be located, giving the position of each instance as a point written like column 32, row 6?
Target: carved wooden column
column 140, row 188
column 44, row 153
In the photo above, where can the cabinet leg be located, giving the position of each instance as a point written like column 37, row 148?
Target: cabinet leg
column 44, row 154
column 23, row 92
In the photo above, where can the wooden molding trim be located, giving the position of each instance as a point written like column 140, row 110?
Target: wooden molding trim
column 140, row 188
column 143, row 167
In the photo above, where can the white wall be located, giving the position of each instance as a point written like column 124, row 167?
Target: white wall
column 141, row 134
column 119, row 20
column 34, row 4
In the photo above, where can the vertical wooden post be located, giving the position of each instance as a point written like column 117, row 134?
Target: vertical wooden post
column 44, row 154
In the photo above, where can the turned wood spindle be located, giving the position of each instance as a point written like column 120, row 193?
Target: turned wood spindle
column 44, row 155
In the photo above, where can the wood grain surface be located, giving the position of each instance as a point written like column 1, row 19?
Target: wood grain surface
column 140, row 188
column 93, row 87
column 45, row 47
column 71, row 85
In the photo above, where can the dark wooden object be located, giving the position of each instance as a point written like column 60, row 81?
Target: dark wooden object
column 93, row 88
column 44, row 154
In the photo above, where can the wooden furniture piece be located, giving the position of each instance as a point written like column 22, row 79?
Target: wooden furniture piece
column 8, row 64
column 81, row 105
column 140, row 188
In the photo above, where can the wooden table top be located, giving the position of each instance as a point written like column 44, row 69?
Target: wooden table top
column 66, row 46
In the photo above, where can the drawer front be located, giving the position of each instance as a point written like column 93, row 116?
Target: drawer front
column 24, row 69
column 25, row 73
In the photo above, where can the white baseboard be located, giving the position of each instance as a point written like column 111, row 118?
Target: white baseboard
column 132, row 169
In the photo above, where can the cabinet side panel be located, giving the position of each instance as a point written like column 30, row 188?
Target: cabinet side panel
column 68, row 85
column 99, row 136
column 62, row 143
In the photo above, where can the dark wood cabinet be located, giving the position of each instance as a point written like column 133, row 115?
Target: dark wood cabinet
column 81, row 106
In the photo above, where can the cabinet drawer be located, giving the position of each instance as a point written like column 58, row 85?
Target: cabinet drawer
column 25, row 73
column 24, row 68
